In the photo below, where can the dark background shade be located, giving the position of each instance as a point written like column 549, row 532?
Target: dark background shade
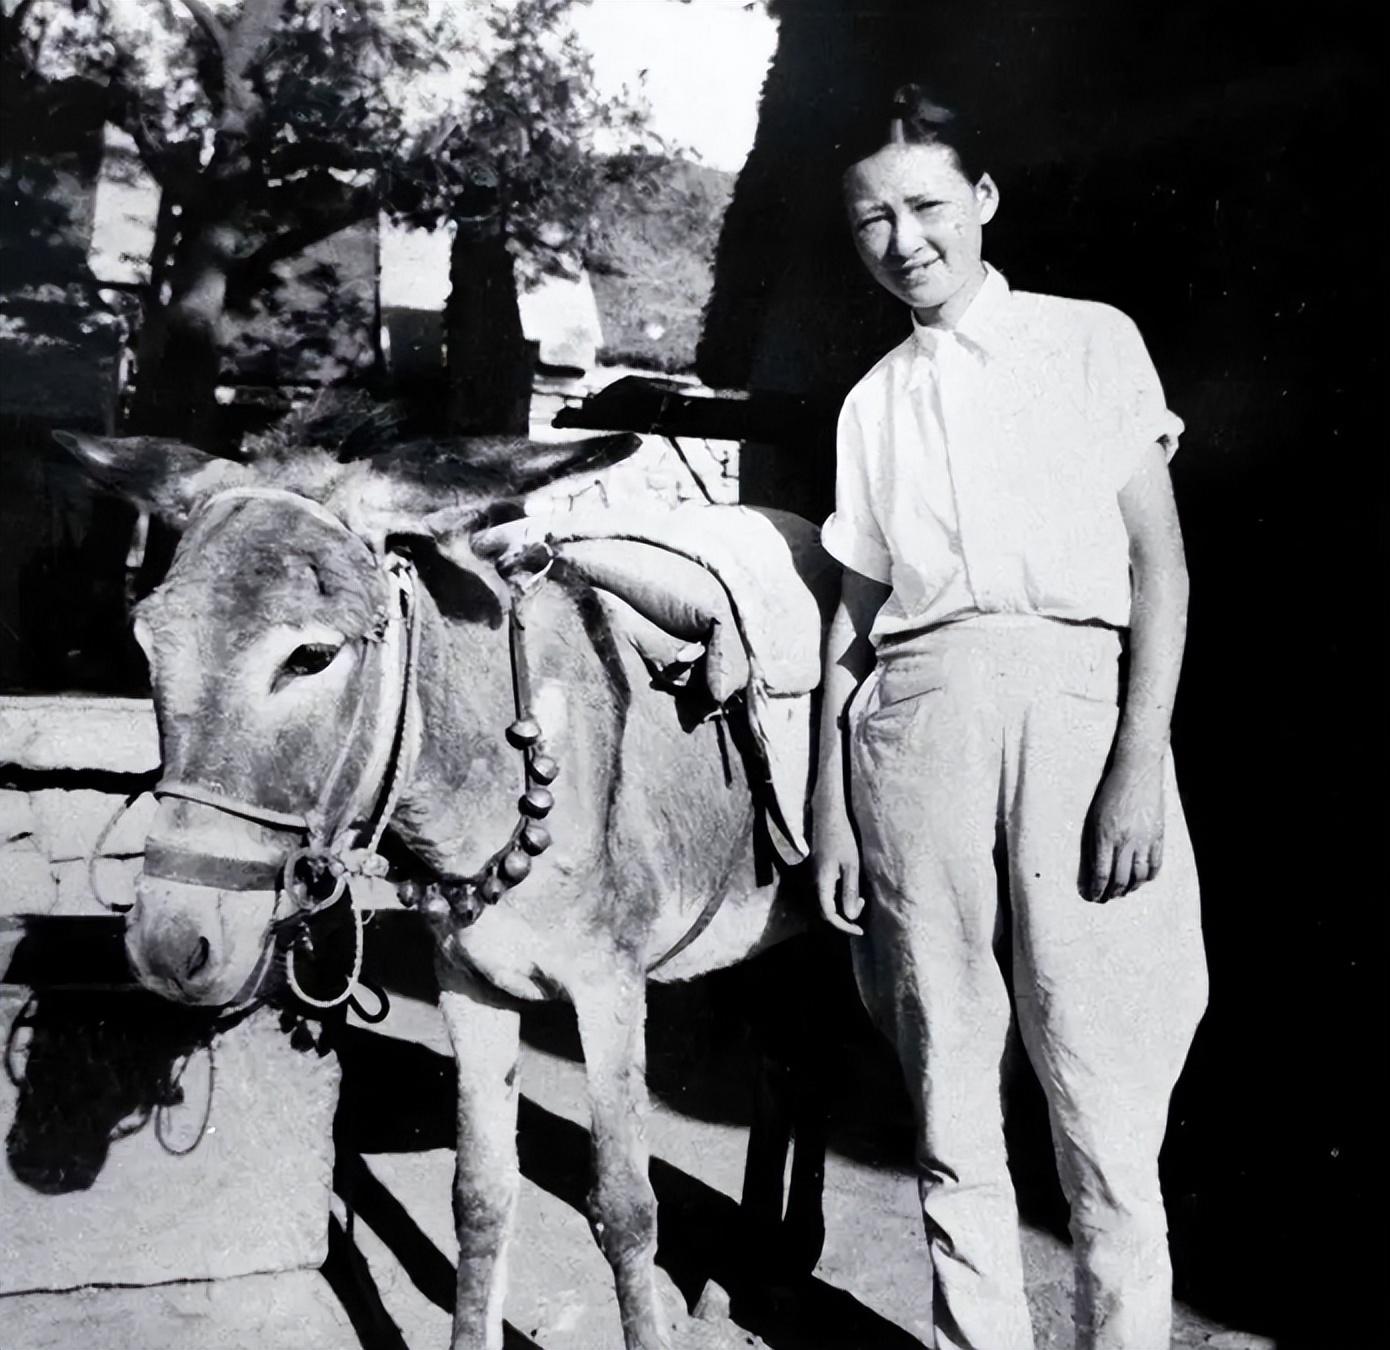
column 1216, row 170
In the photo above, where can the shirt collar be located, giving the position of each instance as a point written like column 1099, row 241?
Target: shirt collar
column 980, row 327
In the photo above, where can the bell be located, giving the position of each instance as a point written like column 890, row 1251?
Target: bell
column 535, row 838
column 544, row 769
column 536, row 802
column 525, row 731
column 515, row 867
column 463, row 902
column 490, row 890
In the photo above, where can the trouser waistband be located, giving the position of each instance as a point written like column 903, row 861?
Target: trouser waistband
column 997, row 659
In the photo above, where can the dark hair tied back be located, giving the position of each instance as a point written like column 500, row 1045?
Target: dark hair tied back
column 915, row 117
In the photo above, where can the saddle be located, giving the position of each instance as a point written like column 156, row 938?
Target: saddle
column 732, row 599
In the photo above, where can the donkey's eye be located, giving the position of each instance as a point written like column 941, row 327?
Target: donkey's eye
column 309, row 659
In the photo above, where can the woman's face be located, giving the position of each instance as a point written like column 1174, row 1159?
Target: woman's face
column 918, row 225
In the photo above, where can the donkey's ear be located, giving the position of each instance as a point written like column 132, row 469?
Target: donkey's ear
column 165, row 477
column 443, row 488
column 496, row 466
column 527, row 465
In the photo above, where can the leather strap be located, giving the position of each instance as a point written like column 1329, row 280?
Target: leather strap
column 232, row 806
column 168, row 862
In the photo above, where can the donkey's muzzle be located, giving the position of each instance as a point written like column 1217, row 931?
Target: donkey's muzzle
column 197, row 944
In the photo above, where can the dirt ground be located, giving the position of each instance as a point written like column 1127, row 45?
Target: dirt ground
column 388, row 1280
column 869, row 1290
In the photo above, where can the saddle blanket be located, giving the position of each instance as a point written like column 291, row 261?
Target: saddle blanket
column 741, row 593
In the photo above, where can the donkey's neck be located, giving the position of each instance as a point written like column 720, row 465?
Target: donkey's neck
column 461, row 802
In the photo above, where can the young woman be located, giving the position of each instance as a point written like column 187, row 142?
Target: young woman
column 1006, row 521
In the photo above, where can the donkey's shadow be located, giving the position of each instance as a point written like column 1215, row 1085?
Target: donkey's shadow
column 90, row 1069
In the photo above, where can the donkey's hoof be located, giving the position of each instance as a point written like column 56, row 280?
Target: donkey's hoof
column 710, row 1327
column 713, row 1303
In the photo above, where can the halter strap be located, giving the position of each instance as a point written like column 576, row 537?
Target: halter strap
column 307, row 505
column 169, row 862
column 232, row 806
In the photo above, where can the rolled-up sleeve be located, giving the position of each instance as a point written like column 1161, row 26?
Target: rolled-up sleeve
column 851, row 534
column 1138, row 408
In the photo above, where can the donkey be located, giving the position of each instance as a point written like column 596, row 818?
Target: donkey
column 270, row 645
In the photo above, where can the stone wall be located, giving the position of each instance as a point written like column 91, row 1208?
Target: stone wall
column 67, row 765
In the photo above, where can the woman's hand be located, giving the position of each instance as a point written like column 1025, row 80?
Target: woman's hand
column 835, row 863
column 1122, row 844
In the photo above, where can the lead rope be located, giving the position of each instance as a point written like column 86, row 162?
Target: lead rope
column 354, row 974
column 94, row 853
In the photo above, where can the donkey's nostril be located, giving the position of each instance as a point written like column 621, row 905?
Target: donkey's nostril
column 199, row 959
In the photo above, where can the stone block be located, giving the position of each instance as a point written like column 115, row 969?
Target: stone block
column 70, row 821
column 27, row 883
column 117, row 735
column 16, row 815
column 115, row 878
column 141, row 1150
column 297, row 1309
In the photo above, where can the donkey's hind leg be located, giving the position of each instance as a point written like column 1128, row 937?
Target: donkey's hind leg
column 622, row 1205
column 485, row 1033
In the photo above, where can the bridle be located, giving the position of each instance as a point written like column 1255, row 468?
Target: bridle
column 340, row 839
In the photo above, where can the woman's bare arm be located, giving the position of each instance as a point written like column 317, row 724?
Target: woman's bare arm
column 1124, row 847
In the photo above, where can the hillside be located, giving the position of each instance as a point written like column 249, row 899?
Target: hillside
column 654, row 269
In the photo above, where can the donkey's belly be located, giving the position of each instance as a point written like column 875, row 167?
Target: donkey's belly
column 554, row 935
column 742, row 926
column 508, row 950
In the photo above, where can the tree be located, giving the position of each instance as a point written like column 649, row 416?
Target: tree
column 270, row 125
column 267, row 124
column 519, row 175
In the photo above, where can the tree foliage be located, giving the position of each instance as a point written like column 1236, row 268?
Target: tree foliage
column 295, row 105
column 530, row 151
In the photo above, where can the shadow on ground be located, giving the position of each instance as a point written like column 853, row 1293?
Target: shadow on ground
column 399, row 1097
column 90, row 1069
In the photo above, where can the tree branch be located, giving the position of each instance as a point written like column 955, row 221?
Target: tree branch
column 154, row 154
column 174, row 166
column 238, row 48
column 314, row 221
column 13, row 21
column 210, row 24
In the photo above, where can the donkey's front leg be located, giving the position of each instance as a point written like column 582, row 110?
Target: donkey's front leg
column 485, row 1034
column 612, row 1015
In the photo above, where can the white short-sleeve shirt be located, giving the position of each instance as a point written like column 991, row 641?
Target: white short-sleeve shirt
column 979, row 467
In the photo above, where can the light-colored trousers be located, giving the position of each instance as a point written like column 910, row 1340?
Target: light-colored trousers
column 966, row 738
